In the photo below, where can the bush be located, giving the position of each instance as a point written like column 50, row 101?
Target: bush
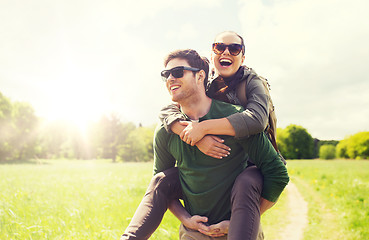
column 327, row 152
column 354, row 147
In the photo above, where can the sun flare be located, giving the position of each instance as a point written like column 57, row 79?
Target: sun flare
column 77, row 101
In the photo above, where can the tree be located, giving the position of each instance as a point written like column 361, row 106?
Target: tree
column 17, row 125
column 354, row 147
column 6, row 128
column 111, row 133
column 295, row 142
column 318, row 143
column 327, row 152
column 24, row 135
column 139, row 145
column 54, row 138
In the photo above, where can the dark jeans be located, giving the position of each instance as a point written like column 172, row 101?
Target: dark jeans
column 165, row 186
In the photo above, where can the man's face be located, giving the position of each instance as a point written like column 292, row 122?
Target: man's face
column 184, row 87
column 226, row 65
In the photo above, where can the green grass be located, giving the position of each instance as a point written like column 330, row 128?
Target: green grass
column 73, row 200
column 273, row 221
column 96, row 199
column 337, row 195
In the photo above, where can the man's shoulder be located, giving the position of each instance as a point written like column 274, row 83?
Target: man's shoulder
column 160, row 132
column 227, row 108
column 161, row 135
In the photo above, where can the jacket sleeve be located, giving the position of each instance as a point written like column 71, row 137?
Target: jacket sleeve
column 170, row 114
column 268, row 161
column 255, row 117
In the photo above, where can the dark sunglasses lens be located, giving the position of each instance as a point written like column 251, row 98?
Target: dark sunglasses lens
column 235, row 49
column 165, row 74
column 219, row 48
column 177, row 73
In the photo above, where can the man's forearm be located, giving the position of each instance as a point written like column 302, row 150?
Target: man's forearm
column 179, row 211
column 265, row 205
column 195, row 222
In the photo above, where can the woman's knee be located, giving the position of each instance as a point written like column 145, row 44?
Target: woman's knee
column 166, row 181
column 250, row 179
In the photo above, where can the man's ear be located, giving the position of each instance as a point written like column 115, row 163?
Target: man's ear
column 201, row 76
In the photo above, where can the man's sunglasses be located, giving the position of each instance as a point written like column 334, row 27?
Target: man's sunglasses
column 176, row 72
column 234, row 48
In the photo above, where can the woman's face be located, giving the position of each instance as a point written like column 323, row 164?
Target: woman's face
column 226, row 65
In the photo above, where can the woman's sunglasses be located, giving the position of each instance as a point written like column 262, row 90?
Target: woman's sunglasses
column 176, row 72
column 234, row 48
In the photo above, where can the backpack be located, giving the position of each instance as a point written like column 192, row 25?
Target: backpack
column 271, row 129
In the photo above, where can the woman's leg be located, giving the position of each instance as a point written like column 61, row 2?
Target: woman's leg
column 163, row 187
column 245, row 200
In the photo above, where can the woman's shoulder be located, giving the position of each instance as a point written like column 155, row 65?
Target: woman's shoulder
column 250, row 74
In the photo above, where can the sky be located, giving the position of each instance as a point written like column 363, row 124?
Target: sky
column 79, row 59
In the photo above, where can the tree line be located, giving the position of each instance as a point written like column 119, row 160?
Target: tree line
column 24, row 136
column 295, row 142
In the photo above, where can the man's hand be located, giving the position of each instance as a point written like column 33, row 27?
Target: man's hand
column 217, row 230
column 192, row 133
column 196, row 222
column 213, row 146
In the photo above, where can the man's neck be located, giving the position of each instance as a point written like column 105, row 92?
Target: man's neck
column 196, row 107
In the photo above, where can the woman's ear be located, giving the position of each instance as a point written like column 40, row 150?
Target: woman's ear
column 243, row 59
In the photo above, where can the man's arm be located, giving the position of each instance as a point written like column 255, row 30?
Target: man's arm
column 197, row 222
column 163, row 159
column 194, row 222
column 265, row 205
column 268, row 161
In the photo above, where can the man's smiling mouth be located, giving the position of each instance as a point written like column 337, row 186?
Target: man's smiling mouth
column 172, row 88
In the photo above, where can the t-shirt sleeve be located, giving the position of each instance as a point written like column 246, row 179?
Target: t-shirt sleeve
column 163, row 159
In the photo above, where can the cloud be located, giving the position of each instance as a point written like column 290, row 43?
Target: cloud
column 314, row 53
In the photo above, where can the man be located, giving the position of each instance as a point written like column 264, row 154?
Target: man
column 207, row 182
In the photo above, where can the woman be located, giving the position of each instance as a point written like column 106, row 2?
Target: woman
column 227, row 58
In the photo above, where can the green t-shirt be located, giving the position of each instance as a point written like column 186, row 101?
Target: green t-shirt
column 207, row 182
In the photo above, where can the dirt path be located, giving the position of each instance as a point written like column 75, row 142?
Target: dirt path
column 297, row 216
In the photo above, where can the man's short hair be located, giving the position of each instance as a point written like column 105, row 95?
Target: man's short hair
column 193, row 59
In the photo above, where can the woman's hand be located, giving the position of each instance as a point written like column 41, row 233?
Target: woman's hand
column 216, row 230
column 192, row 133
column 213, row 146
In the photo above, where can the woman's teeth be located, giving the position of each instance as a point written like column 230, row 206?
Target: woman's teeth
column 225, row 62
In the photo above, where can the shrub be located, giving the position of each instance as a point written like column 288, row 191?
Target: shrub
column 327, row 152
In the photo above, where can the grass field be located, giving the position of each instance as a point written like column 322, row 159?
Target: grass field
column 96, row 199
column 337, row 193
